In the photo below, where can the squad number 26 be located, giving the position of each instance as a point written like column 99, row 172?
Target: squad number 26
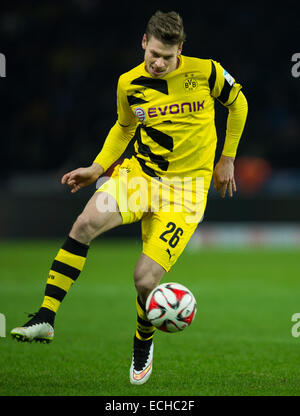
column 176, row 233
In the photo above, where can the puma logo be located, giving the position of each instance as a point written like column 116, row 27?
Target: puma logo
column 170, row 255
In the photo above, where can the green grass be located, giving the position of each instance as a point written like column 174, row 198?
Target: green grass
column 239, row 344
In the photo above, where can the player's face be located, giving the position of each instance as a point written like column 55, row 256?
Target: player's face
column 160, row 58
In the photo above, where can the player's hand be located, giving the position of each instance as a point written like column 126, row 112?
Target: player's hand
column 223, row 176
column 81, row 177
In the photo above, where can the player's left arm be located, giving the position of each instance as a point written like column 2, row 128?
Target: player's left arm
column 223, row 176
column 228, row 92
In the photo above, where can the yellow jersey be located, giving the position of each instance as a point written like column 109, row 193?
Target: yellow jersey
column 173, row 117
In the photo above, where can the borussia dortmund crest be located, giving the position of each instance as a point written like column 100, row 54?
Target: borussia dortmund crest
column 190, row 83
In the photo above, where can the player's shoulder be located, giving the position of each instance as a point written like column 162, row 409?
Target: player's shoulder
column 202, row 65
column 133, row 73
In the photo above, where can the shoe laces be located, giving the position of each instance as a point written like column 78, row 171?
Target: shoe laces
column 35, row 319
column 31, row 315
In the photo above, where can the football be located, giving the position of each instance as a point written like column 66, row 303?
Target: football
column 171, row 307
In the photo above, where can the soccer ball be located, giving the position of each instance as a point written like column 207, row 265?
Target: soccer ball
column 171, row 307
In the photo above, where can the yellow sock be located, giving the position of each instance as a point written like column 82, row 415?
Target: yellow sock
column 65, row 269
column 145, row 330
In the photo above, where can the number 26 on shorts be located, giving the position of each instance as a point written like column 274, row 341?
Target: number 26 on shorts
column 176, row 233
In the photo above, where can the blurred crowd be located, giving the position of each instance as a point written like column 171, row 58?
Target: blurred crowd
column 58, row 100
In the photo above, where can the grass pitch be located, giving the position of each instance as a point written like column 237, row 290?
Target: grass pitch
column 239, row 344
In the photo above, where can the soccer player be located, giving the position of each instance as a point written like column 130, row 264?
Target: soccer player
column 167, row 102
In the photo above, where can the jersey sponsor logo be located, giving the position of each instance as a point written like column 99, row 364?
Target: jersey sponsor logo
column 228, row 77
column 187, row 107
column 140, row 113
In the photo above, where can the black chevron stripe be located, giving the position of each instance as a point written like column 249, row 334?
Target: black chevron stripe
column 212, row 78
column 159, row 85
column 145, row 150
column 160, row 138
column 223, row 97
column 149, row 171
column 133, row 100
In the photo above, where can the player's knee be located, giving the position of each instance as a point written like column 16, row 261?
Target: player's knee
column 84, row 229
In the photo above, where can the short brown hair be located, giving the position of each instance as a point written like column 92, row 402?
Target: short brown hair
column 166, row 27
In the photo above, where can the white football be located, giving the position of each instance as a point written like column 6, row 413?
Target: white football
column 171, row 307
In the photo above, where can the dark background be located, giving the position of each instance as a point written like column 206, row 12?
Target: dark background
column 58, row 101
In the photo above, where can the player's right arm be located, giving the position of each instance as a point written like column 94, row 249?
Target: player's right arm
column 81, row 177
column 115, row 144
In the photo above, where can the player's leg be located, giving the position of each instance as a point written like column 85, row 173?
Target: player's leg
column 165, row 235
column 68, row 265
column 94, row 221
column 71, row 258
column 147, row 275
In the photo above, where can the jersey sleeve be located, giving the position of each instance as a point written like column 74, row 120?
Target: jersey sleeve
column 125, row 115
column 222, row 85
column 120, row 134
